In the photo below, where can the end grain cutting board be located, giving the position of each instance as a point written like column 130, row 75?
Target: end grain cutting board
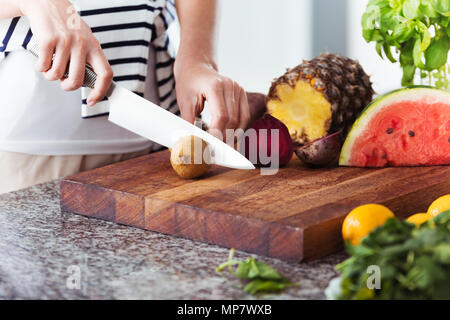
column 293, row 215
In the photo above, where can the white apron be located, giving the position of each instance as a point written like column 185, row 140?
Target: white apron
column 37, row 117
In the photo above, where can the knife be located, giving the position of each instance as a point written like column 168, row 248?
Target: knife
column 138, row 115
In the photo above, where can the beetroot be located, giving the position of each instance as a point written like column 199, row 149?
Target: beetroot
column 260, row 147
column 257, row 104
column 323, row 152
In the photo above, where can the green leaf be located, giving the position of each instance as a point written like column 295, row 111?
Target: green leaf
column 441, row 6
column 427, row 10
column 378, row 3
column 424, row 273
column 387, row 51
column 372, row 35
column 389, row 19
column 267, row 272
column 393, row 232
column 411, row 9
column 263, row 277
column 396, row 4
column 369, row 20
column 229, row 263
column 253, row 272
column 360, row 250
column 367, row 35
column 442, row 219
column 243, row 270
column 375, row 5
column 406, row 53
column 442, row 253
column 425, row 35
column 403, row 32
column 437, row 53
column 257, row 286
column 379, row 48
column 417, row 54
column 445, row 22
column 252, row 269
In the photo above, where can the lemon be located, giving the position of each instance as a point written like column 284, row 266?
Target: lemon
column 362, row 220
column 440, row 205
column 419, row 218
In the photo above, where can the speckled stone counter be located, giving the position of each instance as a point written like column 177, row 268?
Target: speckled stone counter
column 41, row 247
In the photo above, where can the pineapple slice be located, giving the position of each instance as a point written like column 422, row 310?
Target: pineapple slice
column 303, row 109
column 320, row 97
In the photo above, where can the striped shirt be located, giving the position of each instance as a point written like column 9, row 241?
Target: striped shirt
column 125, row 30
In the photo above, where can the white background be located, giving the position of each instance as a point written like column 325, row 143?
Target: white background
column 259, row 39
column 385, row 75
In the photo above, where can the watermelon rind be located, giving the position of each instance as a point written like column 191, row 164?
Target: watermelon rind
column 410, row 94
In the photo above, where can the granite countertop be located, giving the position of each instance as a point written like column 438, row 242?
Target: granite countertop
column 40, row 247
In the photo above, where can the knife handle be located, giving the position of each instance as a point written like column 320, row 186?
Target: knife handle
column 89, row 75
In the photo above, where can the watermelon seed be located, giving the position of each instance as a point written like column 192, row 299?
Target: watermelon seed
column 411, row 133
column 389, row 131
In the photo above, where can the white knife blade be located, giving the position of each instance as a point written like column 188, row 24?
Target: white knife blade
column 150, row 121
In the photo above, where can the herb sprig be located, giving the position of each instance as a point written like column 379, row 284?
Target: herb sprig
column 260, row 277
column 414, row 262
column 418, row 31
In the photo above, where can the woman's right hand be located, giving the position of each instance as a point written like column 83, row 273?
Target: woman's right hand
column 62, row 36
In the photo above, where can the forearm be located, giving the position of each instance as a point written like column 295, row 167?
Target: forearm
column 198, row 21
column 196, row 77
column 10, row 9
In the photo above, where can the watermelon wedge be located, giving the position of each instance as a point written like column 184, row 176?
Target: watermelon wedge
column 406, row 127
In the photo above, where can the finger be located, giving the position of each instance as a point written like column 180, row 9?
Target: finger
column 244, row 109
column 60, row 61
column 101, row 67
column 231, row 96
column 187, row 109
column 46, row 49
column 217, row 106
column 77, row 67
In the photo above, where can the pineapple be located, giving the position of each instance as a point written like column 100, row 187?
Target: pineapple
column 320, row 97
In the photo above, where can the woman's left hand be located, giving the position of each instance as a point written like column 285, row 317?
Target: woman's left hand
column 197, row 82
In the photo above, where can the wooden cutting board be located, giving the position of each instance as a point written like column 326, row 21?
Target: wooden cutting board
column 294, row 215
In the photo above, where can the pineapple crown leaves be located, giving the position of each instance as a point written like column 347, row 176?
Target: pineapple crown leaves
column 418, row 31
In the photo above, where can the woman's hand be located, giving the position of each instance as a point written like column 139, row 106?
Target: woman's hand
column 62, row 36
column 196, row 76
column 197, row 82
